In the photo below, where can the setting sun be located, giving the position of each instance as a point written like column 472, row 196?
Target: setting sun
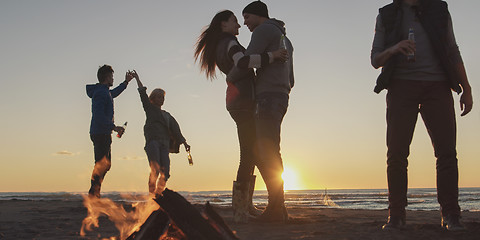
column 290, row 179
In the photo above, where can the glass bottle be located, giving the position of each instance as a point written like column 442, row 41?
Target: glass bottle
column 411, row 37
column 189, row 156
column 124, row 126
column 283, row 44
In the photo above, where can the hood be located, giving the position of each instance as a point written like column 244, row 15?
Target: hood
column 277, row 23
column 92, row 88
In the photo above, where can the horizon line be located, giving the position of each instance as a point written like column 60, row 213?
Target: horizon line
column 226, row 190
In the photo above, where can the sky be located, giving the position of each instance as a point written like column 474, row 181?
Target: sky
column 333, row 135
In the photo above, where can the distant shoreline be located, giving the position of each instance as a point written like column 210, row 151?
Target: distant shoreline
column 419, row 199
column 228, row 190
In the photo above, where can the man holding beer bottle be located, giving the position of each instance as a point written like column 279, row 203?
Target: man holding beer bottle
column 102, row 123
column 415, row 45
column 272, row 88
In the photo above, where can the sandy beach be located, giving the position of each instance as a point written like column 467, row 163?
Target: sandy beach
column 62, row 220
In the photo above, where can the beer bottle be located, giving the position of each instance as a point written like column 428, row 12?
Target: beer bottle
column 411, row 37
column 282, row 44
column 189, row 156
column 124, row 126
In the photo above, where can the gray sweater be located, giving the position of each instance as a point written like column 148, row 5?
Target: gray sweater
column 278, row 76
column 427, row 65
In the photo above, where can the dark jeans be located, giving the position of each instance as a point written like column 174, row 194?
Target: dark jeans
column 103, row 160
column 270, row 110
column 434, row 102
column 246, row 137
column 159, row 161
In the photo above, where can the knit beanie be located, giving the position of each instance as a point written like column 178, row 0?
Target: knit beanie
column 258, row 8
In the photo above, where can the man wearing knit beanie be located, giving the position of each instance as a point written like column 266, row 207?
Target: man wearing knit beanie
column 272, row 88
column 258, row 8
column 256, row 12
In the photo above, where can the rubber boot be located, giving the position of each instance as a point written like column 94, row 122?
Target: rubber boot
column 254, row 211
column 240, row 202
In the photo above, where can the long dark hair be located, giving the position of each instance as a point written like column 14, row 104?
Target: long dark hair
column 206, row 47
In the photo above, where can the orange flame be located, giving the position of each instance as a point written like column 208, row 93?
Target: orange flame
column 125, row 222
column 161, row 184
column 157, row 181
column 101, row 167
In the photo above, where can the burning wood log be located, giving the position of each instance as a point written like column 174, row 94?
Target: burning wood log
column 217, row 221
column 186, row 218
column 155, row 225
column 190, row 221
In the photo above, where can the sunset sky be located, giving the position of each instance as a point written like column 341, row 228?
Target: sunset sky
column 333, row 135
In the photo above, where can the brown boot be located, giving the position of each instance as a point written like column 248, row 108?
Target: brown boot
column 254, row 211
column 396, row 219
column 394, row 223
column 276, row 210
column 273, row 214
column 239, row 202
column 452, row 223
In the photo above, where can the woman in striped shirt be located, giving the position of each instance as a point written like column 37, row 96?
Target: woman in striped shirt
column 218, row 46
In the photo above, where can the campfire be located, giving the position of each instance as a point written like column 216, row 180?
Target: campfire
column 166, row 216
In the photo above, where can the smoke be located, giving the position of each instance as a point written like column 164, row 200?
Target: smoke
column 156, row 181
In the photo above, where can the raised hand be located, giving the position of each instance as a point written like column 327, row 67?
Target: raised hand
column 128, row 76
column 135, row 75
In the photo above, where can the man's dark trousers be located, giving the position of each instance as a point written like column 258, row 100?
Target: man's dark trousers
column 270, row 110
column 433, row 100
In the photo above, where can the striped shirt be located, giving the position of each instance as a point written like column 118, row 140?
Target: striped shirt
column 236, row 53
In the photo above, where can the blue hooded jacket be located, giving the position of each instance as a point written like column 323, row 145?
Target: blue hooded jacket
column 102, row 107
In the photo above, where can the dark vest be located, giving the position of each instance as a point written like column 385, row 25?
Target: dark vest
column 433, row 15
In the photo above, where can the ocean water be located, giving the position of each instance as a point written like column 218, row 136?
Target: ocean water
column 370, row 199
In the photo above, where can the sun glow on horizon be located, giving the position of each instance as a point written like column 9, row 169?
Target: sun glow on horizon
column 290, row 179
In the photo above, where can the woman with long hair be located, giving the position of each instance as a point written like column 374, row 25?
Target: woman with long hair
column 218, row 46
